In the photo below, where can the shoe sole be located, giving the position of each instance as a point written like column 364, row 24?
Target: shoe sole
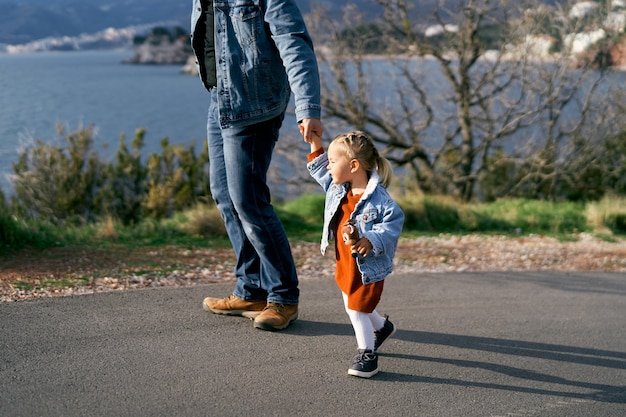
column 264, row 326
column 243, row 313
column 387, row 338
column 362, row 374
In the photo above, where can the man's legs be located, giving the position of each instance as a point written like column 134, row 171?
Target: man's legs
column 239, row 160
column 247, row 154
column 247, row 268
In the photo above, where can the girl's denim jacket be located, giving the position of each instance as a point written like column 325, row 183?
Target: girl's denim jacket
column 262, row 50
column 378, row 218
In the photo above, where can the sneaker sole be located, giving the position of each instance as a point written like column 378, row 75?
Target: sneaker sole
column 362, row 374
column 264, row 326
column 243, row 313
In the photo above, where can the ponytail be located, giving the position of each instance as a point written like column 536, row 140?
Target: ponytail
column 385, row 172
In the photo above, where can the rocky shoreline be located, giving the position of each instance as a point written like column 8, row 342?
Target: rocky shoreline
column 161, row 52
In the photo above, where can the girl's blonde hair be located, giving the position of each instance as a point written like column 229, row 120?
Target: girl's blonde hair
column 357, row 145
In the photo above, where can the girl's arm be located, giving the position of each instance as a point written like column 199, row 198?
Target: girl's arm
column 315, row 141
column 317, row 166
column 316, row 144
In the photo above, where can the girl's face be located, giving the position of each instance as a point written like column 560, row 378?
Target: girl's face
column 339, row 166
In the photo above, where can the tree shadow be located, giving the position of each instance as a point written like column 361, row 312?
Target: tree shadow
column 545, row 351
column 604, row 393
column 580, row 282
column 563, row 353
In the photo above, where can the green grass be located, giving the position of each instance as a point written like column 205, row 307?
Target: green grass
column 302, row 218
column 56, row 283
column 608, row 215
column 532, row 216
column 51, row 283
column 442, row 214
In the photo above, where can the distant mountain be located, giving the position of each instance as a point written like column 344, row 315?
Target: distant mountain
column 23, row 21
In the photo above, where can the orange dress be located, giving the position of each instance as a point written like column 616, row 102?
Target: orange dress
column 361, row 297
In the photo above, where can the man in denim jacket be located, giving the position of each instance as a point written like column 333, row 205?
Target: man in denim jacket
column 251, row 55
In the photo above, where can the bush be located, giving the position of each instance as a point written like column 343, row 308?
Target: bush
column 616, row 222
column 176, row 179
column 58, row 184
column 415, row 217
column 10, row 233
column 607, row 215
column 121, row 194
column 72, row 184
column 204, row 221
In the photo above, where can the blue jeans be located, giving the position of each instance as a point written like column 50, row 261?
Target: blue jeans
column 239, row 158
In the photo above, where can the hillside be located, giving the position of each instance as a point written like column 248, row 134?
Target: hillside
column 43, row 25
column 22, row 22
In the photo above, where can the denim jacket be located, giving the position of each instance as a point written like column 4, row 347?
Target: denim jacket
column 263, row 50
column 378, row 217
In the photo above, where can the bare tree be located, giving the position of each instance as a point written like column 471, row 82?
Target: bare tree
column 460, row 107
column 577, row 109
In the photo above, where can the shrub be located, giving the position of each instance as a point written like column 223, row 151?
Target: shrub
column 415, row 217
column 59, row 184
column 123, row 187
column 10, row 232
column 71, row 184
column 204, row 221
column 607, row 215
column 176, row 179
column 616, row 222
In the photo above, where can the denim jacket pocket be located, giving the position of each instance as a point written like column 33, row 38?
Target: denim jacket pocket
column 366, row 219
column 247, row 20
column 246, row 10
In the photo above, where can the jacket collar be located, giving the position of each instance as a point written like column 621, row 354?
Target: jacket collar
column 372, row 183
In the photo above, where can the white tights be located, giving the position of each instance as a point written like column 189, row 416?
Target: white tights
column 364, row 325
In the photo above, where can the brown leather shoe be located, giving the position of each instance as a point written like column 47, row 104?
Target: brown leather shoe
column 234, row 306
column 276, row 316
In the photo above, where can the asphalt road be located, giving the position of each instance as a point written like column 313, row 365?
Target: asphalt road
column 468, row 344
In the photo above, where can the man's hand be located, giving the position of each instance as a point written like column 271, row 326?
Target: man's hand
column 311, row 130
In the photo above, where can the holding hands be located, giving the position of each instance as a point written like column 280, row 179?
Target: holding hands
column 311, row 130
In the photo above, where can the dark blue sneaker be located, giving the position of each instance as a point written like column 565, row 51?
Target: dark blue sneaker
column 365, row 364
column 383, row 334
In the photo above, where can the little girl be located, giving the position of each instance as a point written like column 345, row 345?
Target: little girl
column 354, row 177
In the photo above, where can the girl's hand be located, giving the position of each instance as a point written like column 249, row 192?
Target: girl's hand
column 363, row 247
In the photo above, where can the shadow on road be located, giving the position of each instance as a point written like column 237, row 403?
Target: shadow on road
column 552, row 352
column 543, row 351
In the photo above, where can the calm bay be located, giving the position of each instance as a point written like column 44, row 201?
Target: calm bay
column 75, row 89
